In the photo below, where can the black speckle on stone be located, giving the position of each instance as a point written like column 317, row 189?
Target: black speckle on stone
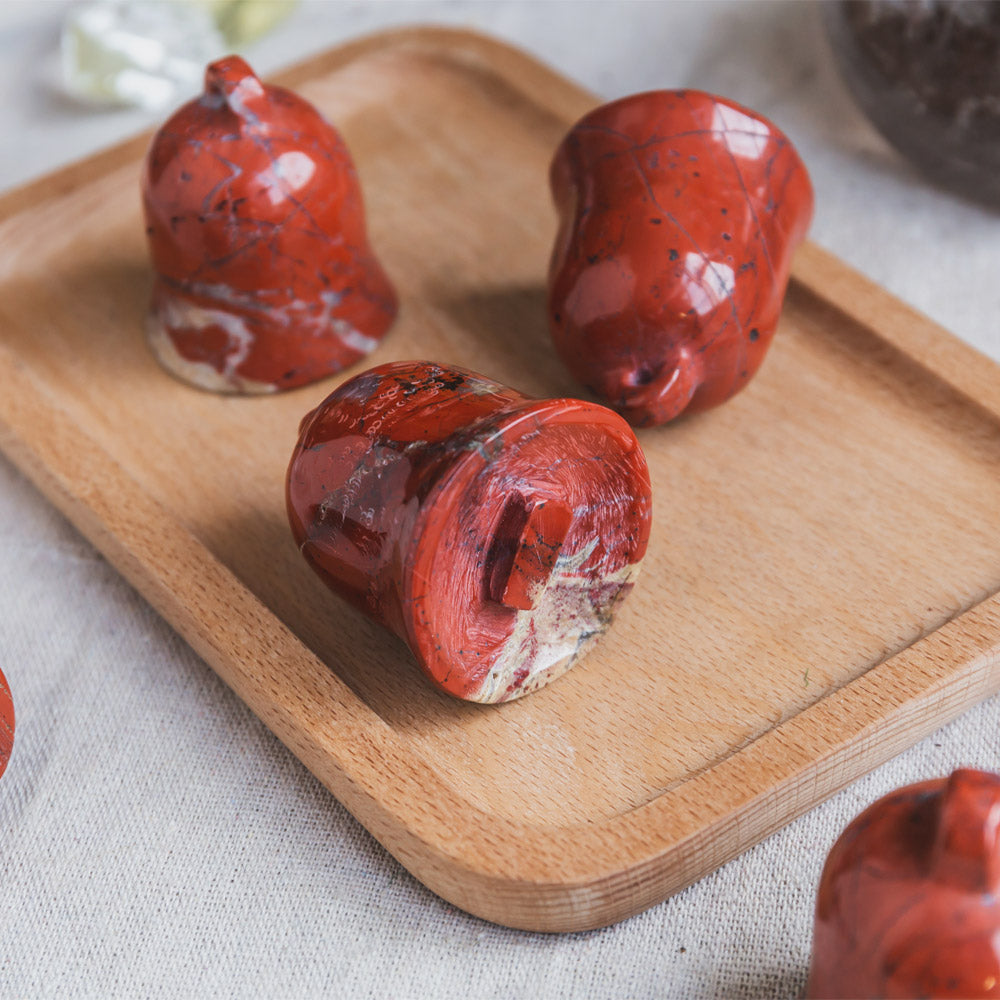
column 754, row 333
column 450, row 381
column 201, row 219
column 726, row 236
column 593, row 258
column 674, row 255
column 557, row 317
column 725, row 211
column 656, row 222
column 185, row 176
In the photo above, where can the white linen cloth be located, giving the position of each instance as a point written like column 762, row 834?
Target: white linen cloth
column 156, row 840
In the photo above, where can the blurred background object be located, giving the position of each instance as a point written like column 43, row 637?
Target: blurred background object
column 927, row 74
column 151, row 53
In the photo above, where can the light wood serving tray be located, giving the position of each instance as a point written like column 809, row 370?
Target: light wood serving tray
column 820, row 590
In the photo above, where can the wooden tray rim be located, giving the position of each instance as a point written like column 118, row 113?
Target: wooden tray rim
column 537, row 877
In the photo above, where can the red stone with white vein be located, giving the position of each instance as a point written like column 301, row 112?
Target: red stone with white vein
column 264, row 276
column 495, row 533
column 679, row 212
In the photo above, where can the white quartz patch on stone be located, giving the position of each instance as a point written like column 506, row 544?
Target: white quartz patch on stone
column 348, row 335
column 200, row 373
column 353, row 338
column 570, row 614
column 299, row 318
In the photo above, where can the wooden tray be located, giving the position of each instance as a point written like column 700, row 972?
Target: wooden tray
column 821, row 586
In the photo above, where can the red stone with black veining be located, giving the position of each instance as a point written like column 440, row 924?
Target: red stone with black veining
column 495, row 533
column 908, row 904
column 679, row 212
column 264, row 276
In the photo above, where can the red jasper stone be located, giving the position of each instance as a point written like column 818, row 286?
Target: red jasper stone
column 496, row 534
column 908, row 903
column 264, row 276
column 679, row 212
column 6, row 724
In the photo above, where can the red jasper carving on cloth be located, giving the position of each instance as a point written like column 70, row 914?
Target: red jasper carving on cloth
column 908, row 903
column 6, row 724
column 679, row 212
column 496, row 534
column 264, row 276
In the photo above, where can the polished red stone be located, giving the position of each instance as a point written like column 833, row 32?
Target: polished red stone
column 908, row 902
column 6, row 724
column 495, row 533
column 264, row 276
column 679, row 212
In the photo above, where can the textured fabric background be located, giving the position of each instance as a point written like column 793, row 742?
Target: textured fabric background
column 156, row 840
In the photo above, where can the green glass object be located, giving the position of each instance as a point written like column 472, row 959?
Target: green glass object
column 241, row 21
column 153, row 53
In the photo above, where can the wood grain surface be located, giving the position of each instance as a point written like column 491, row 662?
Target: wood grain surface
column 820, row 590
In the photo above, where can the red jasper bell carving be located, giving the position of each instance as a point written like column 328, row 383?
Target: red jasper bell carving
column 679, row 212
column 6, row 724
column 495, row 533
column 908, row 903
column 264, row 276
